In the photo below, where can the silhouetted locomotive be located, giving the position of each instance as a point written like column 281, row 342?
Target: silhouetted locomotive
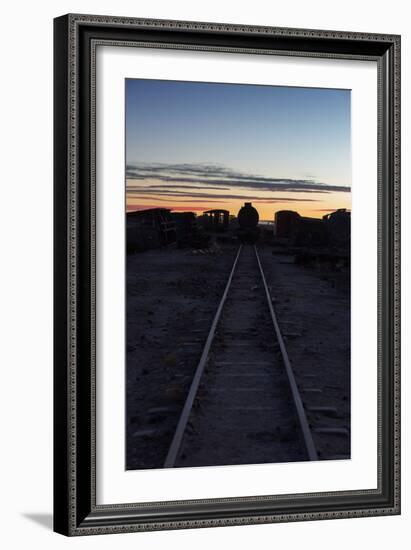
column 248, row 218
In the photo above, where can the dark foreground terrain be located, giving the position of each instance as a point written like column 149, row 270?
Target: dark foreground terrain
column 313, row 310
column 171, row 300
column 172, row 296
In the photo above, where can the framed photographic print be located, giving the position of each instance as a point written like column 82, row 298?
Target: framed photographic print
column 227, row 281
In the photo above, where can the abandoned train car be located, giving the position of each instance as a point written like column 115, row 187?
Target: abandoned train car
column 338, row 226
column 333, row 229
column 188, row 232
column 151, row 228
column 215, row 220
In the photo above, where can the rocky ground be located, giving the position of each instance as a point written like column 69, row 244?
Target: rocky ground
column 313, row 309
column 172, row 296
column 245, row 413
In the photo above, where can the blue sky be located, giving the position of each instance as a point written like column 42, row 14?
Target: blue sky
column 250, row 135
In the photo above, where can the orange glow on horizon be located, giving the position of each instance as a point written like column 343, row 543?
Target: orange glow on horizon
column 266, row 211
column 154, row 194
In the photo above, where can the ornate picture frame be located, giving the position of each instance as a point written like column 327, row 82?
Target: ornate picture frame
column 76, row 40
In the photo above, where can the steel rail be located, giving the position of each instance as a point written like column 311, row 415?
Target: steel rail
column 182, row 423
column 302, row 418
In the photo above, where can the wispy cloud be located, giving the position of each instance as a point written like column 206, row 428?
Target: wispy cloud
column 209, row 176
column 222, row 196
column 170, row 199
column 325, row 209
column 177, row 186
column 134, row 207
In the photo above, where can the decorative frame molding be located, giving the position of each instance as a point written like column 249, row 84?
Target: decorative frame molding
column 76, row 40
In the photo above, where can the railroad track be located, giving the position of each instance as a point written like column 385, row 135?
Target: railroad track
column 243, row 405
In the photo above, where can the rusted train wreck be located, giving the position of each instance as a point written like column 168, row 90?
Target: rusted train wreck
column 159, row 227
column 326, row 239
column 151, row 228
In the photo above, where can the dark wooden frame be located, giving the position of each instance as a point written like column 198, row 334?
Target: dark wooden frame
column 75, row 41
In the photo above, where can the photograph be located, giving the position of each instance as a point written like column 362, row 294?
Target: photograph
column 238, row 274
column 226, row 274
column 202, row 332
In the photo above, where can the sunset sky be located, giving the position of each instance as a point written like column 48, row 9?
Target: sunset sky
column 195, row 146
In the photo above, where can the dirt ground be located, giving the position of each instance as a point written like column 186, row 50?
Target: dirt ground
column 245, row 413
column 172, row 296
column 313, row 309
